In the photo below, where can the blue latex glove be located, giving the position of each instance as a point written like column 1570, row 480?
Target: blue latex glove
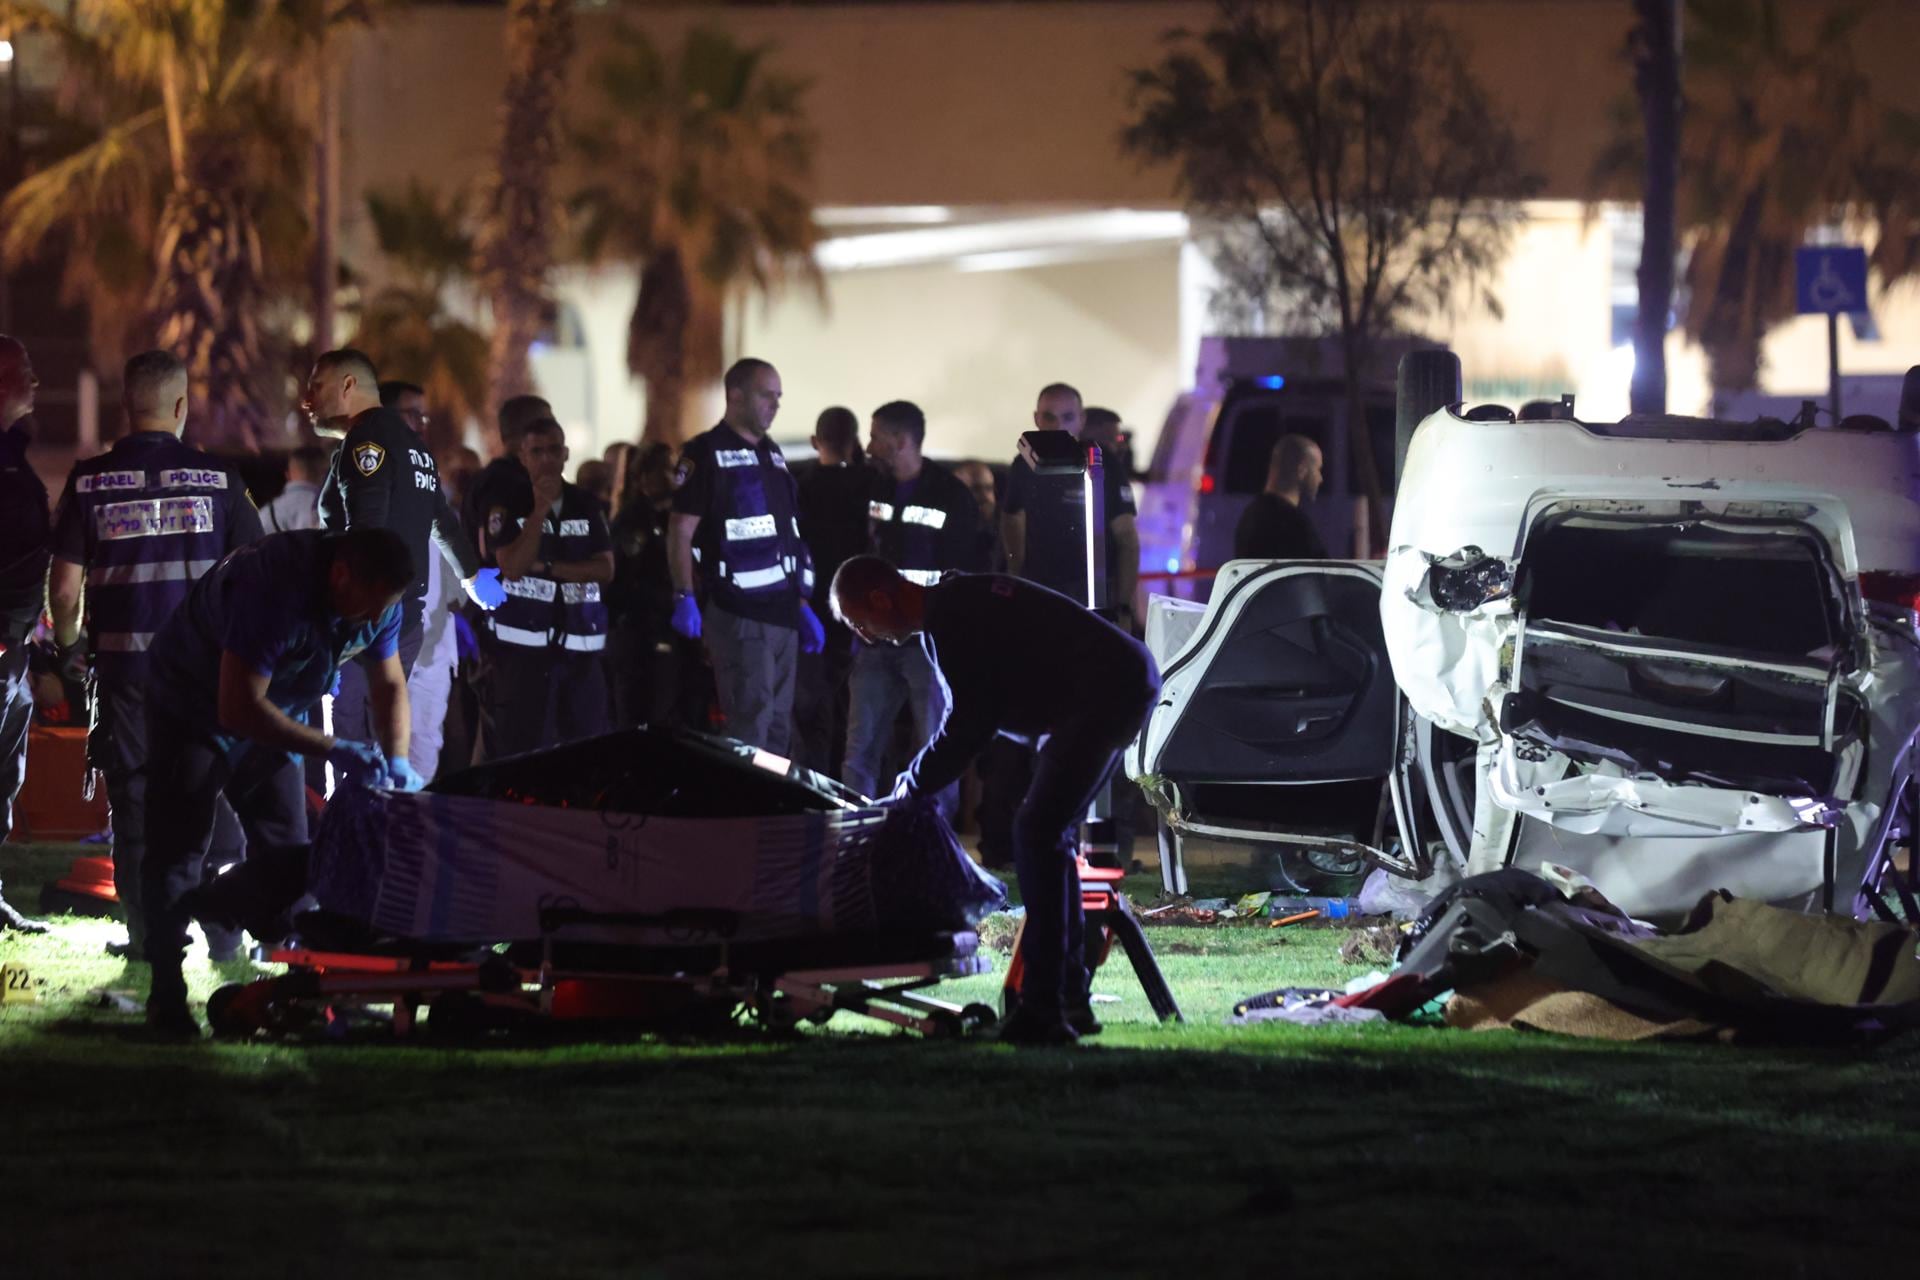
column 466, row 644
column 402, row 776
column 484, row 589
column 686, row 617
column 813, row 636
column 361, row 762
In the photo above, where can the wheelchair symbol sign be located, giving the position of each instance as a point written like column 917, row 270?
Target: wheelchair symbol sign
column 1830, row 278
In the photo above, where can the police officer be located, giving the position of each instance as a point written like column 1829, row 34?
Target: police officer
column 1081, row 707
column 555, row 555
column 736, row 513
column 503, row 481
column 383, row 476
column 254, row 646
column 924, row 521
column 138, row 525
column 23, row 568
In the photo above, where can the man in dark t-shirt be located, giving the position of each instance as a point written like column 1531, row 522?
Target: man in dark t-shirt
column 1058, row 408
column 1273, row 527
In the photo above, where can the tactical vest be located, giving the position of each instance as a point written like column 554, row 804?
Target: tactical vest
column 910, row 533
column 541, row 613
column 155, row 514
column 749, row 545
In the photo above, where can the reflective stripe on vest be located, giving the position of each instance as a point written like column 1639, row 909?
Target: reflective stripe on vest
column 925, row 577
column 122, row 641
column 756, row 579
column 880, row 510
column 750, row 528
column 112, row 575
column 538, row 639
column 931, row 517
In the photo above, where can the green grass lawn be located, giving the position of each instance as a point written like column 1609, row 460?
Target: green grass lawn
column 1189, row 1150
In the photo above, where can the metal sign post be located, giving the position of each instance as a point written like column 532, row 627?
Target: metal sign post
column 1829, row 280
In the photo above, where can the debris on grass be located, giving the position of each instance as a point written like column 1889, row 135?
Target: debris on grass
column 1374, row 945
column 996, row 932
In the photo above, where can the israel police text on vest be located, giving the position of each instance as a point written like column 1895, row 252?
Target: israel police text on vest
column 154, row 514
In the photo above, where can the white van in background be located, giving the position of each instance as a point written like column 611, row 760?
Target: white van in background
column 1211, row 456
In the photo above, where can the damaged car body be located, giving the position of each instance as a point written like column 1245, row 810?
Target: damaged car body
column 1678, row 654
column 1275, row 723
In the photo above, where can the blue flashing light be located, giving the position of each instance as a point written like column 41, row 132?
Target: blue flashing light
column 1173, row 564
column 1272, row 382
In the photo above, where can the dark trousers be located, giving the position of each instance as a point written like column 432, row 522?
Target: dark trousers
column 1071, row 765
column 186, row 776
column 753, row 667
column 1006, row 771
column 654, row 674
column 543, row 697
column 821, row 698
column 16, row 717
column 118, row 747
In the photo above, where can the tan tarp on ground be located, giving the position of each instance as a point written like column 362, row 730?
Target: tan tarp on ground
column 1734, row 948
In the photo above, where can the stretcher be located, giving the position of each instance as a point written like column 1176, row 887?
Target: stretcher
column 704, row 984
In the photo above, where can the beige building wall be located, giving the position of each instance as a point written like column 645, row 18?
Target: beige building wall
column 973, row 347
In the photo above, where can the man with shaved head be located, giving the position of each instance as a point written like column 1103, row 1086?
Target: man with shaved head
column 135, row 528
column 23, row 563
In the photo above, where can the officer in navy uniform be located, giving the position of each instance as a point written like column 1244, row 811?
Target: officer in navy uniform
column 736, row 514
column 234, row 672
column 923, row 522
column 555, row 556
column 385, row 477
column 23, row 568
column 1082, row 696
column 138, row 525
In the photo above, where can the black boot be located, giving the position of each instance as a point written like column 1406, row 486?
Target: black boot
column 12, row 919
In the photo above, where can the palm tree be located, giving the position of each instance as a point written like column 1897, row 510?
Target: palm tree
column 317, row 26
column 702, row 170
column 515, row 247
column 1783, row 138
column 188, row 136
column 1655, row 45
column 404, row 325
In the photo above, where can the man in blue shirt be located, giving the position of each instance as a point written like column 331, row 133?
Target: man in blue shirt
column 253, row 647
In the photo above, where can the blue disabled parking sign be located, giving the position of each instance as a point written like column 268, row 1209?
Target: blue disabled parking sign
column 1830, row 279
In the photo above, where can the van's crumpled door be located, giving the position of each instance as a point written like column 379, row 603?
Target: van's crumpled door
column 1675, row 675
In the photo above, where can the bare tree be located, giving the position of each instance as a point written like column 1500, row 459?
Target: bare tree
column 1358, row 175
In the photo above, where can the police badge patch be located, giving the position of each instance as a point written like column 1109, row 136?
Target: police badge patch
column 496, row 519
column 368, row 457
column 681, row 472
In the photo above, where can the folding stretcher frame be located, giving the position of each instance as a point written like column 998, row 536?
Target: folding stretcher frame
column 604, row 982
